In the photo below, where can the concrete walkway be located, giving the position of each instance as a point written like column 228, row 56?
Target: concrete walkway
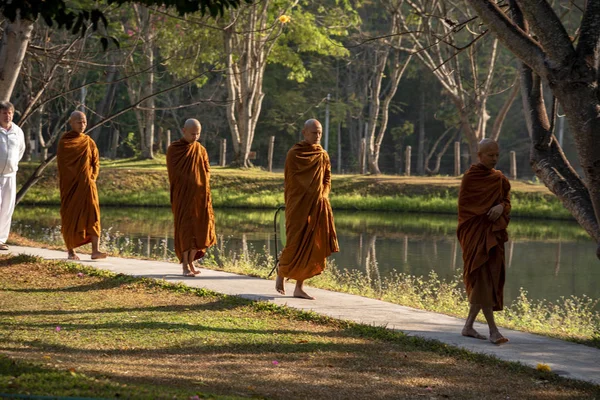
column 566, row 359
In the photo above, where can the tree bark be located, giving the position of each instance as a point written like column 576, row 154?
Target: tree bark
column 246, row 62
column 573, row 79
column 13, row 47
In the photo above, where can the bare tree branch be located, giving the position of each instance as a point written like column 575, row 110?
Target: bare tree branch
column 549, row 30
column 511, row 36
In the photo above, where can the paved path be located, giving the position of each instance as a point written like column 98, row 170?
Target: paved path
column 566, row 359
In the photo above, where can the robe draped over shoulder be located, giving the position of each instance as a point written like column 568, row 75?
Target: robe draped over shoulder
column 482, row 241
column 310, row 231
column 191, row 203
column 78, row 166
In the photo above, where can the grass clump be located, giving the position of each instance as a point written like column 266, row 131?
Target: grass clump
column 139, row 338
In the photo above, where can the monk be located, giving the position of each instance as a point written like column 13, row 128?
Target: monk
column 483, row 216
column 78, row 166
column 310, row 232
column 191, row 203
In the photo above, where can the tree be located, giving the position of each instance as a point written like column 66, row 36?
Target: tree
column 21, row 16
column 569, row 66
column 386, row 57
column 251, row 38
column 462, row 59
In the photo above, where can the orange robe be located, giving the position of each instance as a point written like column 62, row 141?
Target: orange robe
column 482, row 241
column 310, row 232
column 78, row 166
column 189, row 178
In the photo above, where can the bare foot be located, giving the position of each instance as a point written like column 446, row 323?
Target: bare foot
column 98, row 256
column 193, row 270
column 187, row 272
column 301, row 294
column 279, row 285
column 73, row 256
column 497, row 338
column 470, row 332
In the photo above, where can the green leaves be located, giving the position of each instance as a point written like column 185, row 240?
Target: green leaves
column 78, row 20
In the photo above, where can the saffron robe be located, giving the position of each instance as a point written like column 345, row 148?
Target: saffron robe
column 310, row 231
column 482, row 240
column 78, row 167
column 191, row 203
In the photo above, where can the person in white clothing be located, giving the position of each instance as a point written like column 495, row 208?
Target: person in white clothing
column 12, row 147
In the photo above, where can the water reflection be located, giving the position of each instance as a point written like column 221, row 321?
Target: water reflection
column 548, row 259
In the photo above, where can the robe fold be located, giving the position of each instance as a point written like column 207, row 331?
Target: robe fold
column 310, row 231
column 482, row 241
column 78, row 166
column 191, row 203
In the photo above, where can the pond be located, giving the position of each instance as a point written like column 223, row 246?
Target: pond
column 549, row 259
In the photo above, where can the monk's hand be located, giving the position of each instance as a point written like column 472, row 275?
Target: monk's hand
column 495, row 212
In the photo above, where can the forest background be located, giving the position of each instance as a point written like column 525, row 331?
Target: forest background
column 396, row 73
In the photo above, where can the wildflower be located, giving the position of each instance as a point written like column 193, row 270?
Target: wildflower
column 58, row 329
column 543, row 367
column 80, row 275
column 284, row 19
column 275, row 362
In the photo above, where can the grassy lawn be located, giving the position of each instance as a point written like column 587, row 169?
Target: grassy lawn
column 145, row 183
column 73, row 331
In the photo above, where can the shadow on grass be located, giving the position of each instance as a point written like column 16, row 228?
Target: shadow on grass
column 19, row 259
column 217, row 305
column 322, row 369
column 107, row 283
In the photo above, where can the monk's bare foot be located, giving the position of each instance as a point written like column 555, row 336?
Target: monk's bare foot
column 279, row 285
column 497, row 338
column 301, row 294
column 98, row 255
column 187, row 272
column 72, row 256
column 193, row 269
column 470, row 332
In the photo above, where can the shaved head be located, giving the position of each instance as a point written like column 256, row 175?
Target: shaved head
column 487, row 143
column 78, row 121
column 76, row 114
column 192, row 122
column 488, row 153
column 312, row 131
column 191, row 130
column 310, row 123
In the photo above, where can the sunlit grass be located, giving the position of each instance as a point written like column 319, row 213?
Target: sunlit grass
column 72, row 330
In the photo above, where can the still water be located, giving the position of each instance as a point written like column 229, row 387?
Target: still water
column 549, row 259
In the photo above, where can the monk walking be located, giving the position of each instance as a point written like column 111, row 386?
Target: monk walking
column 191, row 203
column 310, row 232
column 78, row 166
column 483, row 216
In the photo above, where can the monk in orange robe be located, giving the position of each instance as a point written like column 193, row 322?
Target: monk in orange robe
column 310, row 232
column 483, row 216
column 191, row 203
column 78, row 166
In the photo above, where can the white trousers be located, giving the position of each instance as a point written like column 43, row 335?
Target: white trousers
column 8, row 194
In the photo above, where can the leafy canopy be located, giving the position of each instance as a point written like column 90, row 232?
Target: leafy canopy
column 77, row 17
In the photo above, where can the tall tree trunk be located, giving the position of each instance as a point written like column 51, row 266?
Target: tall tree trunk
column 421, row 142
column 13, row 47
column 246, row 61
column 104, row 108
column 147, row 114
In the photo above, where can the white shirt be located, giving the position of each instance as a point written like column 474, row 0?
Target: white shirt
column 12, row 148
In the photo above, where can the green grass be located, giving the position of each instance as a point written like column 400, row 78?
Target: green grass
column 131, row 337
column 144, row 183
column 18, row 377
